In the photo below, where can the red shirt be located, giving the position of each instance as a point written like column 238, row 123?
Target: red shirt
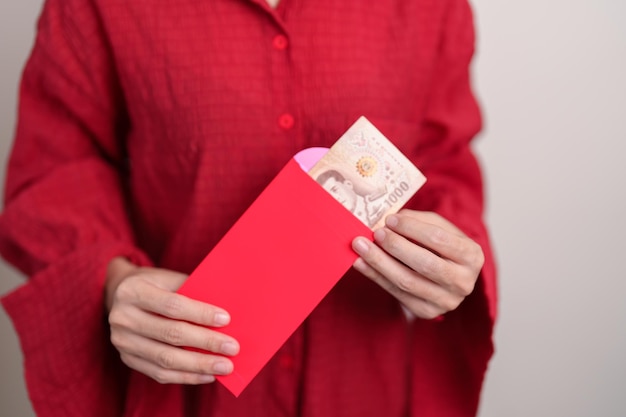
column 147, row 127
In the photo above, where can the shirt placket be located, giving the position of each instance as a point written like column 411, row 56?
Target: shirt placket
column 287, row 362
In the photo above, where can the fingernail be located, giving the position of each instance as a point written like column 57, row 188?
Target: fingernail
column 223, row 368
column 360, row 246
column 391, row 221
column 221, row 319
column 230, row 348
column 379, row 235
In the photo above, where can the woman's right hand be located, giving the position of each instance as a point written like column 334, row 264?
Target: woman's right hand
column 151, row 323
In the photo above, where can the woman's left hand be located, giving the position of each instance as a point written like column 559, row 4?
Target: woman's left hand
column 423, row 260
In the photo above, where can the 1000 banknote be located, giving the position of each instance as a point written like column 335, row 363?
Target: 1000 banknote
column 367, row 174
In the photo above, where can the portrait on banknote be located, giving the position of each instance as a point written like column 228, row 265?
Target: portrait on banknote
column 369, row 208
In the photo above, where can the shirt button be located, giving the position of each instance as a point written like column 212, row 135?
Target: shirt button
column 280, row 42
column 286, row 121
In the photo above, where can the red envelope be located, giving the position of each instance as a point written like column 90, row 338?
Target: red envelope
column 274, row 266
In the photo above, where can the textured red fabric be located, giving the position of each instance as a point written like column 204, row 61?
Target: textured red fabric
column 147, row 127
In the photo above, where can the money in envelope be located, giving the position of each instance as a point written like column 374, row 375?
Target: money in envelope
column 367, row 174
column 293, row 244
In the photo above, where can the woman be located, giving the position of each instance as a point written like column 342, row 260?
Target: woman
column 147, row 128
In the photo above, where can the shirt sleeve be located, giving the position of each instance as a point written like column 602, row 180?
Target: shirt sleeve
column 459, row 345
column 65, row 213
column 454, row 186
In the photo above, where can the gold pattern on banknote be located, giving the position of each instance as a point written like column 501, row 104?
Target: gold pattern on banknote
column 367, row 166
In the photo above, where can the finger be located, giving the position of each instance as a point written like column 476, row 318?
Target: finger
column 439, row 238
column 400, row 275
column 178, row 333
column 423, row 261
column 145, row 295
column 166, row 279
column 171, row 358
column 432, row 218
column 418, row 306
column 165, row 376
column 456, row 277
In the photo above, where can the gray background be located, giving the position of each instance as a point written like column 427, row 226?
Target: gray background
column 550, row 77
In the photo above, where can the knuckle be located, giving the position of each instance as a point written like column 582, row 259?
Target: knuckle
column 392, row 243
column 173, row 305
column 430, row 266
column 429, row 295
column 117, row 340
column 124, row 291
column 206, row 365
column 439, row 301
column 165, row 359
column 173, row 334
column 446, row 273
column 429, row 312
column 161, row 376
column 127, row 360
column 478, row 258
column 207, row 314
column 118, row 319
column 405, row 283
column 440, row 237
column 468, row 287
column 450, row 304
column 212, row 344
column 475, row 256
column 464, row 286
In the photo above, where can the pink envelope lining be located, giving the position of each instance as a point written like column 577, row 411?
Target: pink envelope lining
column 306, row 158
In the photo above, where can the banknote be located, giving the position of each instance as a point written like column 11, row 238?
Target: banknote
column 367, row 174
